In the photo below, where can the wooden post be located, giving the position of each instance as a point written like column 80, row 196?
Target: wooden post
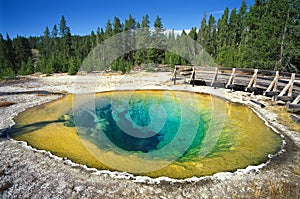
column 215, row 78
column 174, row 75
column 297, row 100
column 273, row 86
column 274, row 83
column 294, row 106
column 295, row 118
column 192, row 79
column 231, row 79
column 289, row 86
column 261, row 105
column 290, row 93
column 252, row 82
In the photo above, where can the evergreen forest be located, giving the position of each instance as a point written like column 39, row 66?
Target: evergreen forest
column 265, row 35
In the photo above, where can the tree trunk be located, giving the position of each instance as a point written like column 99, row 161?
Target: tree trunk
column 283, row 41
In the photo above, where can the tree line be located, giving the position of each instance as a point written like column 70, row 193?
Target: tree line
column 267, row 36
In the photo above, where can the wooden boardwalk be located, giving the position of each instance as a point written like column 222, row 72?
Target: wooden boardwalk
column 279, row 86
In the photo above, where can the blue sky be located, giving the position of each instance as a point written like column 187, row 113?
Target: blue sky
column 30, row 17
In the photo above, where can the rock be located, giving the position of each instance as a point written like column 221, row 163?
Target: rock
column 5, row 186
column 79, row 188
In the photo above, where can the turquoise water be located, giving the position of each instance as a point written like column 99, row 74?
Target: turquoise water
column 145, row 124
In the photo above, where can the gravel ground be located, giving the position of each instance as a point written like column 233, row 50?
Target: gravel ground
column 29, row 173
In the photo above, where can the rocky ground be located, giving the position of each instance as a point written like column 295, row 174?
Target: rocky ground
column 29, row 173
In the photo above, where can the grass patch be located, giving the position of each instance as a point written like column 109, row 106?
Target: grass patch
column 150, row 70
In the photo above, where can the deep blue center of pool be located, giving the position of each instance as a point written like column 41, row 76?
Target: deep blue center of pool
column 143, row 124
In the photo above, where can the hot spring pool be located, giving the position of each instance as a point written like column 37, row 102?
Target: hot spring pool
column 152, row 133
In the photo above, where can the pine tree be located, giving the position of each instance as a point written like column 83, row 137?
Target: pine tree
column 108, row 30
column 142, row 37
column 54, row 43
column 54, row 32
column 33, row 42
column 67, row 41
column 268, row 41
column 22, row 52
column 223, row 28
column 117, row 26
column 73, row 67
column 100, row 35
column 287, row 16
column 169, row 56
column 158, row 24
column 242, row 21
column 156, row 54
column 26, row 67
column 252, row 41
column 228, row 53
column 9, row 51
column 6, row 67
column 211, row 34
column 130, row 24
column 138, row 25
column 267, row 36
column 193, row 34
column 290, row 39
column 45, row 66
column 63, row 28
column 145, row 21
column 93, row 40
column 233, row 28
column 202, row 32
column 45, row 45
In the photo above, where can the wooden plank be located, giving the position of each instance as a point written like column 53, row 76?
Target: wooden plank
column 183, row 68
column 294, row 108
column 215, row 78
column 290, row 93
column 297, row 100
column 192, row 78
column 295, row 118
column 231, row 78
column 255, row 90
column 236, row 87
column 255, row 78
column 251, row 89
column 270, row 93
column 288, row 86
column 186, row 73
column 252, row 82
column 198, row 82
column 284, row 98
column 175, row 71
column 274, row 83
column 243, row 70
column 261, row 105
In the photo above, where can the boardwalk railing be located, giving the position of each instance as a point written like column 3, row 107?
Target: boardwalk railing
column 280, row 86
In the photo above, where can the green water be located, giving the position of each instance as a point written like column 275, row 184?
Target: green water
column 154, row 133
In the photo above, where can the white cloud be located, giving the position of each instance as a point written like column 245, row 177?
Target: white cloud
column 177, row 32
column 216, row 12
